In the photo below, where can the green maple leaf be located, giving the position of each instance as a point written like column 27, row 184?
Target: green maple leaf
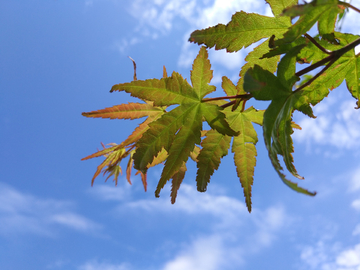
column 177, row 179
column 277, row 124
column 126, row 111
column 116, row 153
column 245, row 29
column 243, row 145
column 254, row 58
column 346, row 67
column 325, row 12
column 215, row 146
column 179, row 130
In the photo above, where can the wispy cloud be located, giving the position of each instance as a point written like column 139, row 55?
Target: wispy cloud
column 325, row 255
column 354, row 184
column 329, row 258
column 357, row 230
column 157, row 18
column 41, row 216
column 225, row 221
column 95, row 265
column 337, row 124
column 203, row 253
column 111, row 193
column 349, row 258
column 225, row 246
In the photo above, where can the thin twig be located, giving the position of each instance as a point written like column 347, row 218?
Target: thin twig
column 350, row 6
column 135, row 78
column 317, row 75
column 334, row 55
column 317, row 44
column 244, row 96
column 314, row 66
column 347, row 48
column 228, row 104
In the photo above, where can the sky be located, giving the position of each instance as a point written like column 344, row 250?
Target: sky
column 59, row 58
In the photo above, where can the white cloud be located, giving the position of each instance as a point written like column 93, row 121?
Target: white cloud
column 192, row 202
column 350, row 258
column 357, row 230
column 228, row 248
column 111, row 193
column 221, row 11
column 337, row 124
column 157, row 17
column 354, row 186
column 229, row 228
column 326, row 256
column 74, row 221
column 355, row 181
column 318, row 257
column 123, row 44
column 205, row 253
column 356, row 204
column 95, row 265
column 39, row 215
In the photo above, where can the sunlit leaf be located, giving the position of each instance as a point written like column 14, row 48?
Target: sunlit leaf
column 277, row 124
column 243, row 30
column 324, row 12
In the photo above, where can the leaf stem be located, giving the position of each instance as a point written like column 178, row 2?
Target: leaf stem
column 334, row 55
column 316, row 76
column 317, row 44
column 314, row 66
column 350, row 6
column 135, row 78
column 244, row 96
column 228, row 104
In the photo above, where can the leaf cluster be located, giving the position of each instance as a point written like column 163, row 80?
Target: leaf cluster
column 176, row 110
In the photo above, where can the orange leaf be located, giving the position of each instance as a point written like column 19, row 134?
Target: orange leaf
column 125, row 111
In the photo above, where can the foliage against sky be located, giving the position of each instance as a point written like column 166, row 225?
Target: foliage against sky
column 175, row 135
column 59, row 58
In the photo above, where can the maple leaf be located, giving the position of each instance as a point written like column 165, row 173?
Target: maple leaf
column 171, row 137
column 113, row 156
column 215, row 146
column 346, row 67
column 245, row 29
column 177, row 179
column 277, row 124
column 243, row 145
column 325, row 12
column 126, row 111
column 252, row 59
column 179, row 130
column 116, row 153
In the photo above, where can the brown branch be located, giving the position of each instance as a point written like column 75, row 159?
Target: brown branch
column 350, row 6
column 135, row 78
column 228, row 104
column 347, row 48
column 317, row 44
column 244, row 96
column 334, row 55
column 316, row 76
column 314, row 66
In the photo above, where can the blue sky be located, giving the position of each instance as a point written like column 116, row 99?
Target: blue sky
column 60, row 58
